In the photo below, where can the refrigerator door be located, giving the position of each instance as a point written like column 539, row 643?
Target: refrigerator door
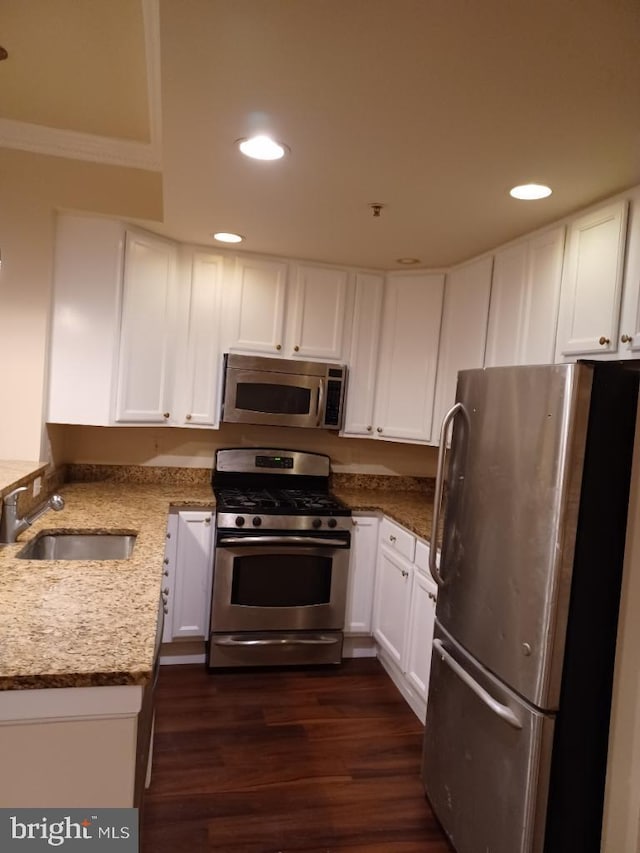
column 512, row 506
column 486, row 757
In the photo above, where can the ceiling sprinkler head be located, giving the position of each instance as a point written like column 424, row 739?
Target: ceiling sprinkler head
column 376, row 207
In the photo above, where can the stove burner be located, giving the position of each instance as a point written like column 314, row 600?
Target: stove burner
column 279, row 500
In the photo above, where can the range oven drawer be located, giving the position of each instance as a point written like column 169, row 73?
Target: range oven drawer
column 275, row 648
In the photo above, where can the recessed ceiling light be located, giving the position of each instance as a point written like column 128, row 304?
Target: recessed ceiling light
column 530, row 192
column 228, row 237
column 262, row 147
column 408, row 261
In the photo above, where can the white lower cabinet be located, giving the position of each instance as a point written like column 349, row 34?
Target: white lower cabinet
column 188, row 573
column 404, row 613
column 362, row 564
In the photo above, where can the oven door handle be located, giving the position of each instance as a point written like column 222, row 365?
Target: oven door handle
column 264, row 641
column 282, row 540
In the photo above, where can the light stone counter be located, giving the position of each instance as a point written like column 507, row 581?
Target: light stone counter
column 73, row 623
column 412, row 509
column 14, row 473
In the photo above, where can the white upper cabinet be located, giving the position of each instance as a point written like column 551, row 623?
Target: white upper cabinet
column 320, row 302
column 363, row 354
column 145, row 372
column 463, row 333
column 303, row 317
column 257, row 306
column 87, row 285
column 525, row 292
column 408, row 355
column 629, row 335
column 592, row 283
column 198, row 404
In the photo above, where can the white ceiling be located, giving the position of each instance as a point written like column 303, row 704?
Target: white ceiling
column 434, row 108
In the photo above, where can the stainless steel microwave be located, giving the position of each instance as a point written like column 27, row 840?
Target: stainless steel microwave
column 282, row 392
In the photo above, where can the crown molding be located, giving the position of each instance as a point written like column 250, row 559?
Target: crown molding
column 76, row 145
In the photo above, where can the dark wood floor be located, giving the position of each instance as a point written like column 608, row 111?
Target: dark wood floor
column 278, row 762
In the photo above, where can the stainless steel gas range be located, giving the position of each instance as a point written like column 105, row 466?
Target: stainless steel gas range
column 281, row 560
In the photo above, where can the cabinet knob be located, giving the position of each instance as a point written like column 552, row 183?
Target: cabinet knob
column 166, row 559
column 166, row 609
column 405, row 574
column 278, row 346
column 166, row 415
column 354, row 522
column 603, row 341
column 369, row 428
column 392, row 538
column 166, row 573
column 296, row 349
column 379, row 429
column 166, row 590
column 626, row 339
column 188, row 417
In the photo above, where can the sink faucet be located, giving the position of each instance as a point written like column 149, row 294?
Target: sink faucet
column 11, row 526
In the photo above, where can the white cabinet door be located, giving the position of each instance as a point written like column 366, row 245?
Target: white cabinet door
column 408, row 356
column 258, row 306
column 362, row 571
column 317, row 329
column 591, row 283
column 145, row 373
column 87, row 285
column 537, row 331
column 463, row 333
column 507, row 306
column 422, row 616
column 363, row 354
column 391, row 604
column 629, row 335
column 203, row 359
column 169, row 575
column 525, row 294
column 191, row 598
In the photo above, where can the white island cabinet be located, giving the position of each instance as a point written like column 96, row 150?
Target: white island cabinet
column 69, row 747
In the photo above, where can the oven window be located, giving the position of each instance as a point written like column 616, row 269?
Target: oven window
column 281, row 580
column 273, row 399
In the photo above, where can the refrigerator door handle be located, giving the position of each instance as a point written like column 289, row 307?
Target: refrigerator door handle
column 498, row 708
column 439, row 489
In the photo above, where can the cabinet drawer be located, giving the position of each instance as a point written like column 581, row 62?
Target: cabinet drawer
column 398, row 538
column 422, row 557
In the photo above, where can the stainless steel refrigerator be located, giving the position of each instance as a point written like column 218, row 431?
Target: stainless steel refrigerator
column 535, row 510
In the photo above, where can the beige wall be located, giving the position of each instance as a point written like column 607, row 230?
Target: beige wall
column 32, row 186
column 194, row 448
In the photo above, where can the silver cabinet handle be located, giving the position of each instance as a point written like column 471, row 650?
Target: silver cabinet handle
column 498, row 708
column 281, row 540
column 437, row 498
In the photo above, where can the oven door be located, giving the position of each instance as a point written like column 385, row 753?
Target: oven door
column 279, row 583
column 282, row 399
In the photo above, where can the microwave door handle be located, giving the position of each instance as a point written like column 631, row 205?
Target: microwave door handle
column 320, row 401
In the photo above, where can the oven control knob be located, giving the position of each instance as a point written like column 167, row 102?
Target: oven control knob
column 240, row 521
column 257, row 521
column 332, row 522
column 317, row 522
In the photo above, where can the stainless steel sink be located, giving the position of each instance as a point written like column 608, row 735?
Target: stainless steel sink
column 79, row 546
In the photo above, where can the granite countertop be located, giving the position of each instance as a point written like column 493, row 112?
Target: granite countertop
column 73, row 623
column 411, row 509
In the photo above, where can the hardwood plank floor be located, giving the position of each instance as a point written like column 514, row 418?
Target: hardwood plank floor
column 318, row 760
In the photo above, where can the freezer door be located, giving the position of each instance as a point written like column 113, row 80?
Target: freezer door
column 514, row 482
column 486, row 757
